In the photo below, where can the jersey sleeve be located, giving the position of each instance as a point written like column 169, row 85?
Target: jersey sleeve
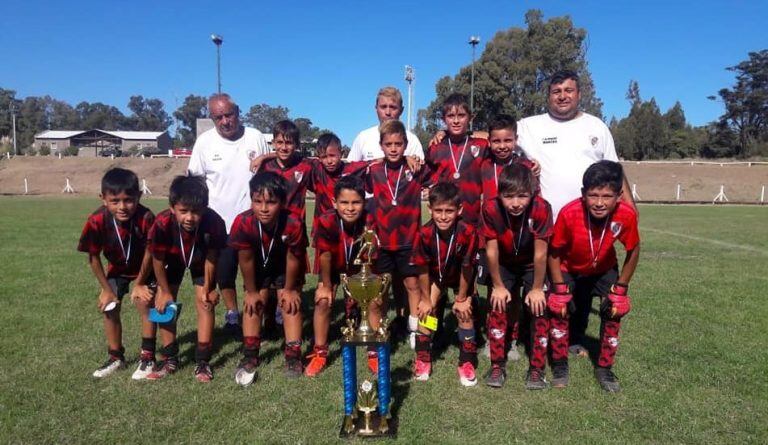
column 160, row 240
column 541, row 220
column 473, row 243
column 196, row 166
column 414, row 147
column 294, row 238
column 217, row 231
column 630, row 237
column 324, row 241
column 356, row 151
column 561, row 234
column 488, row 226
column 420, row 256
column 238, row 236
column 90, row 240
column 609, row 149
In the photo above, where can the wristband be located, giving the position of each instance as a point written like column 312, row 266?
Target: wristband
column 620, row 289
column 560, row 288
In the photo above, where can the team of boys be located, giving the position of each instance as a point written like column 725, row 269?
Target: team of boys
column 488, row 225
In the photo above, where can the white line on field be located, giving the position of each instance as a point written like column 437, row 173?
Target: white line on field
column 708, row 240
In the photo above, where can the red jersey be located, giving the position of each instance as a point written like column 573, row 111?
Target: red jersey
column 586, row 247
column 331, row 236
column 184, row 249
column 298, row 175
column 323, row 183
column 397, row 202
column 516, row 235
column 490, row 170
column 123, row 244
column 270, row 246
column 460, row 164
column 445, row 256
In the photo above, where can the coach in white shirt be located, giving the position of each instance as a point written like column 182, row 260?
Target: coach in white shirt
column 389, row 105
column 565, row 141
column 222, row 154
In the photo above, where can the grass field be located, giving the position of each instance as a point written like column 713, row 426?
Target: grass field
column 692, row 361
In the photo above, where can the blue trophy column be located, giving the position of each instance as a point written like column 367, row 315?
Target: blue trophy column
column 384, row 382
column 349, row 357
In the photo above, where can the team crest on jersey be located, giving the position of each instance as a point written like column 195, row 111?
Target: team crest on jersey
column 298, row 176
column 543, row 342
column 475, row 150
column 593, row 140
column 616, row 228
column 557, row 333
column 497, row 333
column 613, row 341
column 408, row 175
column 252, row 155
column 284, row 237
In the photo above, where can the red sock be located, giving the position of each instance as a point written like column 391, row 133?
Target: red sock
column 609, row 342
column 497, row 330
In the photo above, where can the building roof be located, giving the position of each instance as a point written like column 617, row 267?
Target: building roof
column 126, row 135
column 58, row 134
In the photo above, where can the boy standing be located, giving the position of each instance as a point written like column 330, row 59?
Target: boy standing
column 583, row 260
column 119, row 229
column 188, row 235
column 502, row 139
column 517, row 225
column 271, row 245
column 444, row 252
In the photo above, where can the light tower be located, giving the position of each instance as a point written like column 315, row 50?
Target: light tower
column 473, row 41
column 218, row 40
column 410, row 77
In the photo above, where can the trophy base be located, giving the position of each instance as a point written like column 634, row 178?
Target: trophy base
column 365, row 340
column 359, row 430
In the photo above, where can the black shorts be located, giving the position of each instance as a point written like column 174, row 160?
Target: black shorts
column 176, row 274
column 119, row 286
column 514, row 279
column 591, row 285
column 396, row 262
column 226, row 268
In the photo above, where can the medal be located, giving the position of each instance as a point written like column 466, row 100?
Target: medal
column 441, row 267
column 591, row 244
column 456, row 175
column 187, row 262
column 397, row 184
column 265, row 255
column 126, row 253
column 457, row 165
column 394, row 202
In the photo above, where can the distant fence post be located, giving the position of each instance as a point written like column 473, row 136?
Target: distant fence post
column 720, row 197
column 68, row 188
column 144, row 189
column 762, row 194
column 635, row 196
column 26, row 187
column 677, row 195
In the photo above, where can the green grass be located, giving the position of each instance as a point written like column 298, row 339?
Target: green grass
column 692, row 361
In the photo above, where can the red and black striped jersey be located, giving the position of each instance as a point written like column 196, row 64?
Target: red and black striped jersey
column 332, row 236
column 516, row 235
column 270, row 245
column 187, row 249
column 397, row 202
column 447, row 159
column 490, row 170
column 123, row 244
column 298, row 175
column 443, row 255
column 592, row 255
column 323, row 182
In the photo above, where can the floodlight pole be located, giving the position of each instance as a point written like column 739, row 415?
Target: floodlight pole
column 13, row 123
column 410, row 76
column 473, row 41
column 218, row 40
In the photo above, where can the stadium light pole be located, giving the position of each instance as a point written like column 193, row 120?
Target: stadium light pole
column 218, row 40
column 410, row 76
column 12, row 107
column 473, row 41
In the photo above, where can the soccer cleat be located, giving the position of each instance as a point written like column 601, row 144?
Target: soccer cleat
column 373, row 362
column 109, row 367
column 165, row 368
column 421, row 370
column 534, row 379
column 467, row 376
column 607, row 379
column 203, row 372
column 496, row 376
column 146, row 366
column 578, row 351
column 560, row 374
column 513, row 354
column 293, row 368
column 245, row 374
column 316, row 364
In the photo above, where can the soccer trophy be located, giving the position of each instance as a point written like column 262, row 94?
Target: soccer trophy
column 367, row 408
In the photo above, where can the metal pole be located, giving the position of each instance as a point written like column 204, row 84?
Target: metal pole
column 678, row 192
column 218, row 66
column 762, row 194
column 409, row 77
column 473, row 41
column 13, row 118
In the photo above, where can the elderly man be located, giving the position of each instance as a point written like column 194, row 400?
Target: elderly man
column 389, row 105
column 222, row 154
column 566, row 141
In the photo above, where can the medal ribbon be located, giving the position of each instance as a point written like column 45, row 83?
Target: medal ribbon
column 397, row 185
column 441, row 267
column 265, row 256
column 591, row 244
column 126, row 255
column 456, row 165
column 516, row 245
column 187, row 263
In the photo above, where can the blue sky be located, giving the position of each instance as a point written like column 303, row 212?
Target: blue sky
column 326, row 60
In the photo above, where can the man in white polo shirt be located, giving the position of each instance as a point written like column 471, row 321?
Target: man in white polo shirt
column 223, row 154
column 389, row 105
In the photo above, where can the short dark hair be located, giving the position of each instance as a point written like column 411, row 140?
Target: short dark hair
column 516, row 178
column 326, row 140
column 353, row 183
column 603, row 174
column 561, row 76
column 270, row 183
column 189, row 191
column 455, row 100
column 118, row 180
column 502, row 122
column 392, row 126
column 444, row 192
column 289, row 130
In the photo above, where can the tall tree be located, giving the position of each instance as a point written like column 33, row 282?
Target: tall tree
column 193, row 108
column 7, row 99
column 148, row 114
column 100, row 116
column 511, row 74
column 264, row 117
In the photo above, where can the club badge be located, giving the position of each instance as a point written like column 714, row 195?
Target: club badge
column 252, row 155
column 613, row 341
column 408, row 176
column 593, row 140
column 543, row 342
column 298, row 176
column 497, row 333
column 616, row 228
column 475, row 150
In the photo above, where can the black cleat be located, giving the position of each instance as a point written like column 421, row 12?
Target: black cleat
column 534, row 379
column 560, row 374
column 607, row 379
column 496, row 376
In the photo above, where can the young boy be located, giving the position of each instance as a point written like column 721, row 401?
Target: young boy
column 271, row 244
column 188, row 235
column 444, row 252
column 583, row 260
column 335, row 234
column 119, row 229
column 517, row 225
column 396, row 193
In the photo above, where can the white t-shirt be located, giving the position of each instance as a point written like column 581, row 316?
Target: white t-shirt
column 226, row 166
column 366, row 146
column 565, row 149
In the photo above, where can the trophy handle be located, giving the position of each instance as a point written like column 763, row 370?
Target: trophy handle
column 345, row 282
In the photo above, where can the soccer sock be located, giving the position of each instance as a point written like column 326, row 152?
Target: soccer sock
column 251, row 346
column 539, row 328
column 497, row 328
column 170, row 352
column 203, row 352
column 148, row 348
column 372, row 352
column 609, row 342
column 321, row 350
column 232, row 316
column 467, row 347
column 413, row 323
column 558, row 334
column 423, row 347
column 117, row 354
column 293, row 350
